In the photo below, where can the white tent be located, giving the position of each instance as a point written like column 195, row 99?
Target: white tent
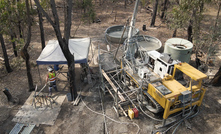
column 52, row 53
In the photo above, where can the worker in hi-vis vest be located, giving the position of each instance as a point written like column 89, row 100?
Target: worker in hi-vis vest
column 52, row 80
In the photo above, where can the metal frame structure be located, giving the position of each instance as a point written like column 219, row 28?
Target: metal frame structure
column 40, row 99
column 113, row 81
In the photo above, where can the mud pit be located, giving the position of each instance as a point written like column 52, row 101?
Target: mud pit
column 79, row 119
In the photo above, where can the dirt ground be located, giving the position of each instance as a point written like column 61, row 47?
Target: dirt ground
column 80, row 119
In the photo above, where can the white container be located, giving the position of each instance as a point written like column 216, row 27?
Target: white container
column 180, row 49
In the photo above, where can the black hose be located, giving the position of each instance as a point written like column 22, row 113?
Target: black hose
column 179, row 122
column 187, row 118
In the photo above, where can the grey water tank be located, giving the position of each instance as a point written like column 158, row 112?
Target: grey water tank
column 146, row 43
column 113, row 33
column 180, row 49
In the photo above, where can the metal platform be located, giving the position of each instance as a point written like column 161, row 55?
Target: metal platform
column 108, row 63
column 28, row 114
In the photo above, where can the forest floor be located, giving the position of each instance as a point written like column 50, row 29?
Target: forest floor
column 80, row 119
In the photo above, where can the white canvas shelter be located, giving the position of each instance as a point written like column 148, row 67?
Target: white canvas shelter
column 52, row 53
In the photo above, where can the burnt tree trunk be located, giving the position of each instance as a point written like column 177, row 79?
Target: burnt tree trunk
column 24, row 51
column 174, row 33
column 41, row 29
column 216, row 81
column 164, row 9
column 20, row 29
column 190, row 31
column 66, row 51
column 7, row 65
column 8, row 95
column 217, row 16
column 190, row 27
column 13, row 36
column 63, row 42
column 154, row 14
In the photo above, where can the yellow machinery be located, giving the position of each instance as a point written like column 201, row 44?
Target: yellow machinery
column 168, row 94
column 173, row 96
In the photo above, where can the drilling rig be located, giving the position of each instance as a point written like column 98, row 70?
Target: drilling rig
column 162, row 84
column 163, row 87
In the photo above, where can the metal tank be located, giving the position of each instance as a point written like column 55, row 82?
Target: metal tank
column 113, row 33
column 180, row 49
column 146, row 43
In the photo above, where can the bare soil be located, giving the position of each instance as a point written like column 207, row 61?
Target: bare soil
column 79, row 119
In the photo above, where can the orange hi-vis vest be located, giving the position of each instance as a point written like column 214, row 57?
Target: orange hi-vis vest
column 51, row 77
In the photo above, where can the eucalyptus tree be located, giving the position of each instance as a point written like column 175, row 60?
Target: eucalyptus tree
column 44, row 4
column 4, row 14
column 88, row 7
column 13, row 20
column 165, row 4
column 154, row 13
column 24, row 50
column 218, row 2
column 63, row 40
column 187, row 14
column 6, row 61
column 214, row 37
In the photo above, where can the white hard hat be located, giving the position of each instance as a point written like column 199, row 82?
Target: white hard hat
column 49, row 69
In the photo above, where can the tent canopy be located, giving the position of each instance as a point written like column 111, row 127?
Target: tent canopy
column 52, row 53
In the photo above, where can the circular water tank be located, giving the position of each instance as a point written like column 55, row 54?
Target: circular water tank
column 146, row 43
column 180, row 49
column 113, row 34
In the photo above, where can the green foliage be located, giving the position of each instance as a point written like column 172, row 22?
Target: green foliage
column 212, row 38
column 143, row 2
column 92, row 14
column 183, row 12
column 20, row 43
column 11, row 15
column 45, row 4
column 88, row 9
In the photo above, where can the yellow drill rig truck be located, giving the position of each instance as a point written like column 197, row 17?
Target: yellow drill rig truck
column 168, row 86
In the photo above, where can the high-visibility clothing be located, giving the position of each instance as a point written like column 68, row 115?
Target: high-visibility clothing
column 51, row 77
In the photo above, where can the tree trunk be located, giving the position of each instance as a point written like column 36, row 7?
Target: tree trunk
column 25, row 50
column 41, row 29
column 174, row 33
column 154, row 14
column 164, row 9
column 13, row 36
column 201, row 6
column 217, row 16
column 28, row 69
column 71, row 71
column 67, row 53
column 7, row 65
column 190, row 31
column 216, row 81
column 8, row 95
column 20, row 30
